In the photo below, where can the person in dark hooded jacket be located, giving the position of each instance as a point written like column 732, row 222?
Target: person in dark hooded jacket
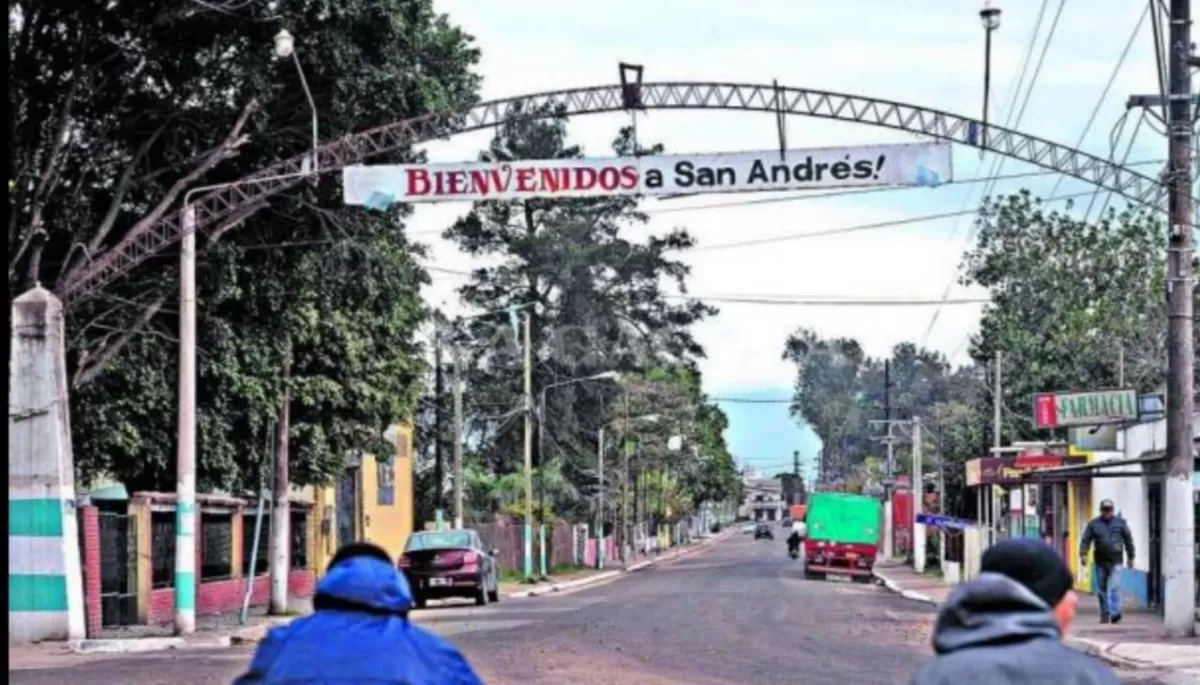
column 1005, row 627
column 359, row 632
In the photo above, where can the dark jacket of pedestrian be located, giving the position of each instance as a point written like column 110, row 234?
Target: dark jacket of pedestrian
column 358, row 633
column 1111, row 538
column 997, row 630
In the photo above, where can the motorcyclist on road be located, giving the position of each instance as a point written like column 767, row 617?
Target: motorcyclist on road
column 793, row 542
column 359, row 633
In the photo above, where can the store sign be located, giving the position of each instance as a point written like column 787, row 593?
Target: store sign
column 943, row 522
column 1055, row 410
column 1009, row 470
column 910, row 164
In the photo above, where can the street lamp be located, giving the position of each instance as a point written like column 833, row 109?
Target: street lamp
column 990, row 18
column 185, row 459
column 541, row 414
column 285, row 47
column 457, row 382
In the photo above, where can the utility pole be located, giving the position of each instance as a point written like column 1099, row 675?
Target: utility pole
column 624, row 538
column 1179, row 562
column 439, row 474
column 997, row 405
column 541, row 482
column 185, row 474
column 918, row 490
column 458, row 438
column 528, row 565
column 887, row 416
column 1175, row 102
column 600, row 505
column 281, row 513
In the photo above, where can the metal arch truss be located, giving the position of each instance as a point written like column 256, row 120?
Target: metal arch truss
column 246, row 195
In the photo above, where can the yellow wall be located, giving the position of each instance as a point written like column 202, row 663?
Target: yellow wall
column 389, row 525
column 1079, row 503
column 322, row 528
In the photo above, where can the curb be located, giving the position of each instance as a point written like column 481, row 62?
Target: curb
column 894, row 587
column 609, row 575
column 1093, row 648
column 147, row 644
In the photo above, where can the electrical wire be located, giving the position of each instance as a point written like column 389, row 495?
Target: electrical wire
column 1108, row 198
column 799, row 301
column 1107, row 87
column 1011, row 123
column 854, row 229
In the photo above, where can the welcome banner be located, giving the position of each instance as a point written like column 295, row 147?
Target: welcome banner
column 917, row 164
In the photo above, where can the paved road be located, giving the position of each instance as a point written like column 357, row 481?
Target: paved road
column 737, row 613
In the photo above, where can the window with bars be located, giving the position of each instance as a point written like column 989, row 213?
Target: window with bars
column 299, row 532
column 162, row 549
column 261, row 563
column 216, row 539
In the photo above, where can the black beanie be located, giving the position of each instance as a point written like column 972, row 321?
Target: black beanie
column 359, row 549
column 1032, row 563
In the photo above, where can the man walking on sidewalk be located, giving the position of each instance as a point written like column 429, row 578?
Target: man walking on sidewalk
column 1110, row 535
column 1005, row 627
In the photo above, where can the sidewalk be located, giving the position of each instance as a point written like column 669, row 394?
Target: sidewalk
column 1136, row 643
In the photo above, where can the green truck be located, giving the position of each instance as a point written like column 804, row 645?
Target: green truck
column 843, row 535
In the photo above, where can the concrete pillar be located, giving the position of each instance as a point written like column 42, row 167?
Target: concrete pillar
column 45, row 579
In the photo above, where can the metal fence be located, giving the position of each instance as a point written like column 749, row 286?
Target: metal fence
column 118, row 569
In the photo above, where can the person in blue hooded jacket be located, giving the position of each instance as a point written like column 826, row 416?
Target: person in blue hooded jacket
column 1006, row 625
column 359, row 632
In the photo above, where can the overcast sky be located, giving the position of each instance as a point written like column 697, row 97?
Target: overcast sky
column 928, row 53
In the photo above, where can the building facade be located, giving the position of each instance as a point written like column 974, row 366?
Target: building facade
column 763, row 500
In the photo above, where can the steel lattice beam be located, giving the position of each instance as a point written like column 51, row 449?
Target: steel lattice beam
column 219, row 205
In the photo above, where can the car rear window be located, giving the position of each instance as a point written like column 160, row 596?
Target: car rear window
column 448, row 540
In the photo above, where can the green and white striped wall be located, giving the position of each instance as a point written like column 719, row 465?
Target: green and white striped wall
column 43, row 569
column 45, row 580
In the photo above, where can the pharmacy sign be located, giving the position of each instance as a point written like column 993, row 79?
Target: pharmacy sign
column 1060, row 409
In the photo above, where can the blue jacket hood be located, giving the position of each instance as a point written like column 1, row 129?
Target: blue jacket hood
column 370, row 582
column 992, row 609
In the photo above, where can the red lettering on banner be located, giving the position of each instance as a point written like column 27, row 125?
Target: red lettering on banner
column 609, row 178
column 455, row 183
column 525, row 180
column 480, row 180
column 585, row 178
column 629, row 177
column 551, row 180
column 505, row 179
column 418, row 181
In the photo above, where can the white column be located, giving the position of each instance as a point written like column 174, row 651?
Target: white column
column 185, row 466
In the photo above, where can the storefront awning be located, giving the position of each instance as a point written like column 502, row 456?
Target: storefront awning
column 1150, row 463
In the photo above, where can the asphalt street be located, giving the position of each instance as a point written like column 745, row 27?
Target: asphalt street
column 736, row 613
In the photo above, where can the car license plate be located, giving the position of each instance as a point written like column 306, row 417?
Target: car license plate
column 852, row 556
column 438, row 582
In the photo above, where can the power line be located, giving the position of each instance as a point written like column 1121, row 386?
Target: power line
column 1010, row 123
column 854, row 229
column 817, row 302
column 1107, row 87
column 750, row 400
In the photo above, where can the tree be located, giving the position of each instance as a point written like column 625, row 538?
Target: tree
column 117, row 110
column 839, row 391
column 594, row 295
column 1070, row 301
